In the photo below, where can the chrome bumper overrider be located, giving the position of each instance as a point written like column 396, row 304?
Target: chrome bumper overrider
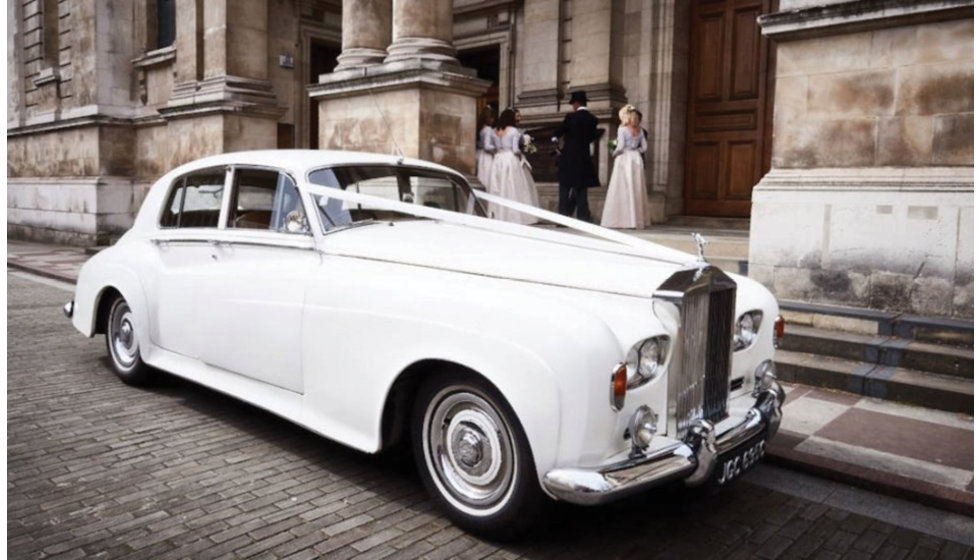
column 692, row 460
column 69, row 309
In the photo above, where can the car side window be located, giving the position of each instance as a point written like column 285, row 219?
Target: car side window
column 267, row 200
column 195, row 200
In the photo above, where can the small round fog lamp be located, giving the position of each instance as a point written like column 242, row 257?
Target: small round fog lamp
column 765, row 375
column 642, row 427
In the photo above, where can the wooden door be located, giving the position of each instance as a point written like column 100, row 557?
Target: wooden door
column 729, row 118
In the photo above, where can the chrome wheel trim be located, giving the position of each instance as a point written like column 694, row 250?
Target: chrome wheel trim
column 469, row 450
column 122, row 336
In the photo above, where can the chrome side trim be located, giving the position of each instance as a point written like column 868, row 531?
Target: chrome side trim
column 692, row 460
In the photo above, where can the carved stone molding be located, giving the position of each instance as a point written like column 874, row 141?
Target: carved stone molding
column 859, row 15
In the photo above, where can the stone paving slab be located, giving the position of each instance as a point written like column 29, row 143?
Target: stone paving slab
column 908, row 451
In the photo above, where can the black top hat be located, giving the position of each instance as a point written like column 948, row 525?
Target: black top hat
column 579, row 97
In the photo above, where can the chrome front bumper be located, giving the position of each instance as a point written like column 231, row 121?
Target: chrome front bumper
column 692, row 460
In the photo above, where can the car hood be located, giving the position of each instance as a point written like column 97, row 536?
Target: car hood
column 538, row 255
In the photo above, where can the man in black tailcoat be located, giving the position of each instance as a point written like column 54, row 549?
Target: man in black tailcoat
column 575, row 170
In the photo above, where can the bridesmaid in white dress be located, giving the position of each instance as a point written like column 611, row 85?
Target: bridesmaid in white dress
column 509, row 178
column 626, row 199
column 484, row 146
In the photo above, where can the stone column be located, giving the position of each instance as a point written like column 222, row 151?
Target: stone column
column 366, row 33
column 227, row 102
column 189, row 44
column 422, row 29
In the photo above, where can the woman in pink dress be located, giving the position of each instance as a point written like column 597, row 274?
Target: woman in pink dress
column 626, row 198
column 484, row 146
column 509, row 178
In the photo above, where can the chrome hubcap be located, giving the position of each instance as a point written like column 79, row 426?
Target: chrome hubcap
column 125, row 348
column 469, row 448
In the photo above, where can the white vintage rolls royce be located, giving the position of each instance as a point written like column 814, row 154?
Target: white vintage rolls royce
column 374, row 299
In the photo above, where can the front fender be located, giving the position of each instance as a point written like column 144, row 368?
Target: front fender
column 549, row 358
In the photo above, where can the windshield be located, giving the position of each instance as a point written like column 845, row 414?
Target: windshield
column 405, row 184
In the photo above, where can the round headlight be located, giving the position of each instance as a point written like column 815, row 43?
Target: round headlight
column 649, row 357
column 746, row 329
column 646, row 360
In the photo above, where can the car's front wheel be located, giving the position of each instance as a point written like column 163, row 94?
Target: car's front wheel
column 474, row 457
column 122, row 343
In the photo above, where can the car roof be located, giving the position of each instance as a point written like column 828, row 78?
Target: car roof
column 302, row 160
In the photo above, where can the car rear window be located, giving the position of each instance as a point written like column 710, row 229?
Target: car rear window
column 195, row 201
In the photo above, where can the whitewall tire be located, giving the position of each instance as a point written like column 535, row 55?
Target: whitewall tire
column 473, row 456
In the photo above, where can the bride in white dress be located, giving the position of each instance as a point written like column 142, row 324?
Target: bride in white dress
column 509, row 177
column 485, row 147
column 626, row 198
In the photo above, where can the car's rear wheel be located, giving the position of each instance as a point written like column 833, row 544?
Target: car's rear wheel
column 474, row 457
column 123, row 344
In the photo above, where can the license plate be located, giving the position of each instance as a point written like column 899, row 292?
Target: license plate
column 737, row 462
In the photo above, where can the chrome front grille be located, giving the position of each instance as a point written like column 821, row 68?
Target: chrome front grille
column 700, row 386
column 718, row 354
column 690, row 389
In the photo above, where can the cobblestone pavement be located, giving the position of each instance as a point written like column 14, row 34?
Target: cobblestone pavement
column 100, row 469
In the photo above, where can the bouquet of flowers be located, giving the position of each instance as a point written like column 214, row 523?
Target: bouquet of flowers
column 611, row 145
column 527, row 144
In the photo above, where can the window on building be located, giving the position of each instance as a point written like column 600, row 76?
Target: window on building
column 166, row 14
column 50, row 38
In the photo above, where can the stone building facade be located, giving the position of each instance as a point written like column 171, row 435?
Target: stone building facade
column 869, row 201
column 833, row 129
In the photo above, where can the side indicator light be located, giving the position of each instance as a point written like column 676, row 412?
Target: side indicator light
column 617, row 388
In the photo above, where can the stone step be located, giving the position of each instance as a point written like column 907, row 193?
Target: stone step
column 908, row 386
column 709, row 223
column 872, row 322
column 878, row 350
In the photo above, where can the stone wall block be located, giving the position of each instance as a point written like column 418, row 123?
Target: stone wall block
column 952, row 141
column 890, row 291
column 842, row 53
column 771, row 221
column 820, row 285
column 945, row 41
column 199, row 137
column 117, row 151
column 904, row 141
column 963, row 299
column 827, row 143
column 152, row 147
column 242, row 133
column 893, row 47
column 845, row 94
column 964, row 263
column 931, row 296
column 933, row 89
column 72, row 153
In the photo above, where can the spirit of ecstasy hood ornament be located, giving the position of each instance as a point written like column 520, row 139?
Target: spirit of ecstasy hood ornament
column 701, row 242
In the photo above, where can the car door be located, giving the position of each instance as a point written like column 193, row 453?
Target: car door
column 183, row 250
column 252, row 297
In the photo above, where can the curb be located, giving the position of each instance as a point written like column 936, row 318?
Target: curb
column 40, row 272
column 897, row 486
